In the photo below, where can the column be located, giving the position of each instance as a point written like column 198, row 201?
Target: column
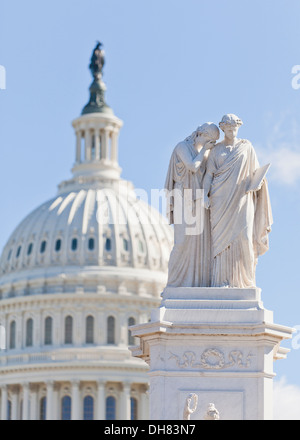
column 75, row 409
column 49, row 401
column 125, row 402
column 97, row 144
column 106, row 143
column 114, row 147
column 101, row 401
column 34, row 402
column 78, row 146
column 14, row 403
column 25, row 415
column 4, row 402
column 87, row 144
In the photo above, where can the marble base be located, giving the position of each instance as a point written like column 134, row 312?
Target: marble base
column 219, row 343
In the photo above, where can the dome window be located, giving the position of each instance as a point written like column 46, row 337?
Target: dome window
column 91, row 244
column 12, row 335
column 29, row 332
column 18, row 251
column 125, row 244
column 69, row 330
column 88, row 408
column 48, row 330
column 74, row 244
column 66, row 403
column 9, row 255
column 43, row 406
column 108, row 244
column 29, row 249
column 110, row 408
column 89, row 330
column 58, row 245
column 111, row 326
column 43, row 246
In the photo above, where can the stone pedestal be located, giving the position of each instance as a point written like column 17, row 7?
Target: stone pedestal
column 219, row 343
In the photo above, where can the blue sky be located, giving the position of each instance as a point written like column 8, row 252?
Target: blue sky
column 170, row 66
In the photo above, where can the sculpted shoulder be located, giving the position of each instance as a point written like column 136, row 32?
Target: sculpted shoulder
column 180, row 146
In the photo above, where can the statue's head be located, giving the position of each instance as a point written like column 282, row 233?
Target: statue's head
column 207, row 132
column 230, row 124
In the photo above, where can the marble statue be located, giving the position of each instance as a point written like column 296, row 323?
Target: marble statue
column 189, row 263
column 212, row 413
column 190, row 406
column 239, row 205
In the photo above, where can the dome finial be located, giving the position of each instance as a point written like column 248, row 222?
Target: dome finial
column 97, row 89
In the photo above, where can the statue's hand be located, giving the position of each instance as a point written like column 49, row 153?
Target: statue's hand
column 209, row 145
column 206, row 202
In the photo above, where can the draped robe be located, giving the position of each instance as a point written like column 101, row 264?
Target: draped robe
column 189, row 263
column 240, row 221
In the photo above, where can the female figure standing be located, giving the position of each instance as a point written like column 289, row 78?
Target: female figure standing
column 189, row 264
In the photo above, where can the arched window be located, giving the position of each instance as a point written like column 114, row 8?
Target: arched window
column 110, row 408
column 108, row 244
column 69, row 330
column 88, row 408
column 29, row 249
column 18, row 251
column 91, row 244
column 58, row 245
column 43, row 406
column 43, row 246
column 134, row 408
column 74, row 244
column 111, row 330
column 89, row 330
column 125, row 244
column 12, row 335
column 9, row 255
column 131, row 341
column 66, row 408
column 48, row 330
column 29, row 332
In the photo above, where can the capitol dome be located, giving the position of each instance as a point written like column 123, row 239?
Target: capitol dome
column 98, row 228
column 75, row 274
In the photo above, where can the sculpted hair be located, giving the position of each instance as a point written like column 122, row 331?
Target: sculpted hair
column 209, row 129
column 230, row 119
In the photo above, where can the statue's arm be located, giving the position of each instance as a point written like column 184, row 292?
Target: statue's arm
column 191, row 164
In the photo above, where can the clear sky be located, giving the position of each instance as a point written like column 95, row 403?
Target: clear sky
column 170, row 66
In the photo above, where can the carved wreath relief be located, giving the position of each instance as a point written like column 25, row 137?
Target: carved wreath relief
column 212, row 359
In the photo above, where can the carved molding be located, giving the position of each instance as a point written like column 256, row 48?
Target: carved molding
column 212, row 359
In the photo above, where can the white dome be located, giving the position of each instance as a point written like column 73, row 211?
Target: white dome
column 90, row 227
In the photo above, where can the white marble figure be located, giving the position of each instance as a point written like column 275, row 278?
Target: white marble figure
column 240, row 219
column 190, row 406
column 212, row 413
column 189, row 263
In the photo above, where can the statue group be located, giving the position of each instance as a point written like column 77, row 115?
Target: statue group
column 221, row 187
